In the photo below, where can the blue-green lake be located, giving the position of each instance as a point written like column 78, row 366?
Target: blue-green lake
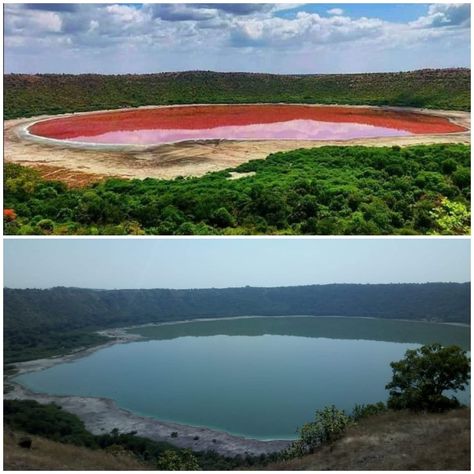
column 255, row 377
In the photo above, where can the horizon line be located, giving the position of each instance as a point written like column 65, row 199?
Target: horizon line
column 233, row 72
column 237, row 287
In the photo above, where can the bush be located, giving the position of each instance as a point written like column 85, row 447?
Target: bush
column 364, row 411
column 329, row 424
column 177, row 461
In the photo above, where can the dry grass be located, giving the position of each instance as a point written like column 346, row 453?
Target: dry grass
column 396, row 441
column 46, row 455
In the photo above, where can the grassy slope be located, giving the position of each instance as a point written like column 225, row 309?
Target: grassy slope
column 391, row 441
column 395, row 441
column 50, row 455
column 28, row 95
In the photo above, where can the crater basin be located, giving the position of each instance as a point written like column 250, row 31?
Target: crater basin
column 258, row 377
column 160, row 125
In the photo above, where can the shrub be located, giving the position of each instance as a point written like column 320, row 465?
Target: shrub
column 363, row 411
column 328, row 425
column 177, row 461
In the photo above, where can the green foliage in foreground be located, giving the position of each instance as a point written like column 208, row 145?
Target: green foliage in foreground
column 48, row 421
column 322, row 191
column 421, row 378
column 174, row 461
column 27, row 95
column 51, row 422
column 329, row 424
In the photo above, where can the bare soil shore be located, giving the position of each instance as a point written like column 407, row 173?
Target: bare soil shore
column 102, row 415
column 80, row 165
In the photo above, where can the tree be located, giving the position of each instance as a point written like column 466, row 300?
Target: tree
column 420, row 379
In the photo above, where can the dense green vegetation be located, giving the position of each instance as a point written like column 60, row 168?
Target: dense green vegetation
column 28, row 345
column 328, row 190
column 36, row 320
column 421, row 378
column 51, row 422
column 27, row 95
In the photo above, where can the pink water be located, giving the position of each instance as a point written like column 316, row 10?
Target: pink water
column 289, row 130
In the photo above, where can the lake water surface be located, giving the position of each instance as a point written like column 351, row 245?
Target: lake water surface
column 256, row 377
column 154, row 126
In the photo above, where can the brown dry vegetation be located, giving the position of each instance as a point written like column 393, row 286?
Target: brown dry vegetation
column 72, row 178
column 49, row 455
column 395, row 441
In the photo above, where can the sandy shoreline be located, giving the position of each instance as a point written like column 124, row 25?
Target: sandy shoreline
column 83, row 164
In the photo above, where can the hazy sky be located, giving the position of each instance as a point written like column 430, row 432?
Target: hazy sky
column 278, row 38
column 205, row 263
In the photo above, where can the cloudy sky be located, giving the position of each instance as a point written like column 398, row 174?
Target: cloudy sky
column 278, row 38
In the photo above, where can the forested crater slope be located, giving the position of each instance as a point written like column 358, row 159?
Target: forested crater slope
column 37, row 322
column 27, row 95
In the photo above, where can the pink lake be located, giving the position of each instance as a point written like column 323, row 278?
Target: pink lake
column 288, row 130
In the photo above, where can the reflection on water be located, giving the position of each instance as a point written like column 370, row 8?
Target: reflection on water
column 332, row 327
column 257, row 377
column 290, row 130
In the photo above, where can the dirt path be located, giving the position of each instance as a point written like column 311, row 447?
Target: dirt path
column 81, row 165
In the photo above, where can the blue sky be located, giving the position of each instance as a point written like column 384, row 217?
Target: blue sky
column 206, row 263
column 255, row 37
column 393, row 12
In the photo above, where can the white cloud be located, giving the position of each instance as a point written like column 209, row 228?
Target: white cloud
column 335, row 11
column 228, row 36
column 445, row 15
column 305, row 28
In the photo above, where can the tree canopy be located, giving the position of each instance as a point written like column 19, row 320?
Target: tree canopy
column 350, row 190
column 421, row 379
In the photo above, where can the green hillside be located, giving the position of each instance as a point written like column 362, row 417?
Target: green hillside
column 28, row 95
column 44, row 322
